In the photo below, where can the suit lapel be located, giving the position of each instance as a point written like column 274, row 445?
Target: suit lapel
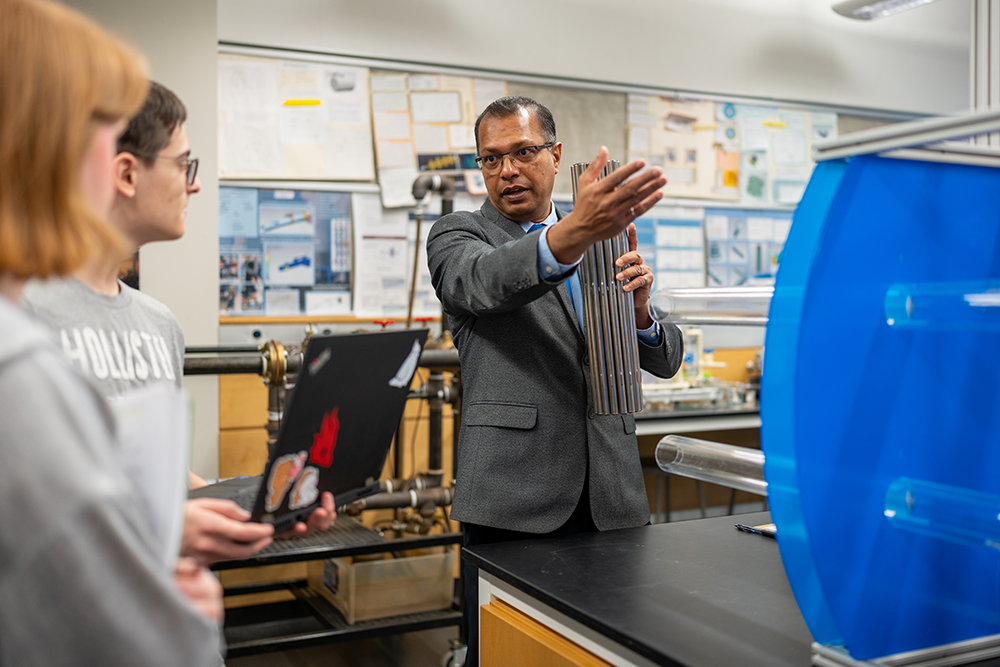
column 563, row 293
column 515, row 230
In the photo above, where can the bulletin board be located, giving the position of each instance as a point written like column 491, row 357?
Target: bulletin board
column 735, row 171
column 424, row 122
column 714, row 150
column 290, row 119
column 284, row 252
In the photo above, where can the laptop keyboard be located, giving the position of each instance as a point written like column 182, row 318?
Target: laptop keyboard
column 246, row 498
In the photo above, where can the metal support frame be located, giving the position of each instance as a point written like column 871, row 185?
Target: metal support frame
column 984, row 63
column 927, row 134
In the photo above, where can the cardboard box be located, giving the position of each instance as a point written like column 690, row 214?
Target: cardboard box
column 389, row 587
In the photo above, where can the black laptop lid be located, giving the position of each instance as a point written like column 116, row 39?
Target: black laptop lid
column 339, row 419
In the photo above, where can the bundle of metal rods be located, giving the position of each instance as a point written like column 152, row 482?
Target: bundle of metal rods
column 609, row 321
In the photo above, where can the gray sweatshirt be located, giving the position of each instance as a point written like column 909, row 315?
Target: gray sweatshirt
column 79, row 581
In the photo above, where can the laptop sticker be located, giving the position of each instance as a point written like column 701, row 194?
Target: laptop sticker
column 306, row 489
column 284, row 471
column 404, row 375
column 324, row 442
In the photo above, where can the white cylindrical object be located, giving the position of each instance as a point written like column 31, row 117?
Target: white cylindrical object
column 746, row 306
column 727, row 465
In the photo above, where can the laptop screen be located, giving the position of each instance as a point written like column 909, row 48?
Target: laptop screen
column 339, row 418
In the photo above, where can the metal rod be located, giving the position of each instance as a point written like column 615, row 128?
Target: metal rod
column 254, row 364
column 913, row 134
column 609, row 321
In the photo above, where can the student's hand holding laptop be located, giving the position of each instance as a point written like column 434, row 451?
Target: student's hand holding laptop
column 321, row 519
column 216, row 529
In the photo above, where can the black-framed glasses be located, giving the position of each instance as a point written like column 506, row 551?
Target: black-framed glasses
column 188, row 164
column 522, row 155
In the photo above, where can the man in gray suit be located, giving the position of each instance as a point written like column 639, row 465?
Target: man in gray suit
column 533, row 457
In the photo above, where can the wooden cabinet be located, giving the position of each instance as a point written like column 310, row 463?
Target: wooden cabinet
column 510, row 637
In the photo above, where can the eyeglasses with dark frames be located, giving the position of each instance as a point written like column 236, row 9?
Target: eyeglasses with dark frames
column 188, row 164
column 522, row 155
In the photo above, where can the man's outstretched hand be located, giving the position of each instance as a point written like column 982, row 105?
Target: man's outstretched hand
column 604, row 206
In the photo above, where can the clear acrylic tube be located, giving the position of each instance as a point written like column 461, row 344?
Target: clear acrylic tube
column 960, row 306
column 744, row 306
column 949, row 513
column 727, row 465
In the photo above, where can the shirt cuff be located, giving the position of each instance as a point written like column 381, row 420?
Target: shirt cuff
column 650, row 336
column 550, row 270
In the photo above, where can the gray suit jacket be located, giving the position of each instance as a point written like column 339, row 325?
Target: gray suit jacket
column 528, row 435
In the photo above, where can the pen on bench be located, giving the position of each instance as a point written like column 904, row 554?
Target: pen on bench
column 751, row 529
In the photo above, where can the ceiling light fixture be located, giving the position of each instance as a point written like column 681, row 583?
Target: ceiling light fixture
column 866, row 10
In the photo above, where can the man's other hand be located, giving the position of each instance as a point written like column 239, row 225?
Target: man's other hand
column 217, row 529
column 637, row 277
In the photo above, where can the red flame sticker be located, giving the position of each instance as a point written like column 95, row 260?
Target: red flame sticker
column 324, row 442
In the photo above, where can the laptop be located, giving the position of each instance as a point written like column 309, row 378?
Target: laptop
column 337, row 427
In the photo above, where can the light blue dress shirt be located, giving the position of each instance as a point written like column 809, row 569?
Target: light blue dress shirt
column 552, row 271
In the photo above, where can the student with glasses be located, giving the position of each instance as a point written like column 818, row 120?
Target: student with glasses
column 533, row 458
column 154, row 176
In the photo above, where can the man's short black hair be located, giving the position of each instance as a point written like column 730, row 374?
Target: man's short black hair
column 150, row 130
column 511, row 106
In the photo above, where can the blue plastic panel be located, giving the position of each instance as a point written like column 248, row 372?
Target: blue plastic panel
column 851, row 404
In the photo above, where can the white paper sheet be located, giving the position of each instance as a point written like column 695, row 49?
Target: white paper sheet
column 281, row 302
column 383, row 82
column 396, row 154
column 488, row 91
column 370, row 219
column 430, row 138
column 349, row 154
column 788, row 148
column 328, row 302
column 346, row 112
column 425, row 82
column 247, row 86
column 152, row 424
column 760, row 229
column 638, row 140
column 396, row 185
column 247, row 149
column 302, row 124
column 380, row 277
column 394, row 101
column 462, row 137
column 436, row 107
column 391, row 125
column 717, row 226
column 781, row 229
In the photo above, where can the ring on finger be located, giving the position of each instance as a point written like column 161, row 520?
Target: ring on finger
column 631, row 211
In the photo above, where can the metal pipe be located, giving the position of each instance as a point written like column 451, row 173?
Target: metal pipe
column 440, row 497
column 256, row 364
column 435, row 434
column 727, row 465
column 913, row 134
column 609, row 321
column 222, row 349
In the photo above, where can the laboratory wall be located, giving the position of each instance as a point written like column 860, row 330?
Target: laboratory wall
column 796, row 50
column 801, row 50
column 179, row 39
